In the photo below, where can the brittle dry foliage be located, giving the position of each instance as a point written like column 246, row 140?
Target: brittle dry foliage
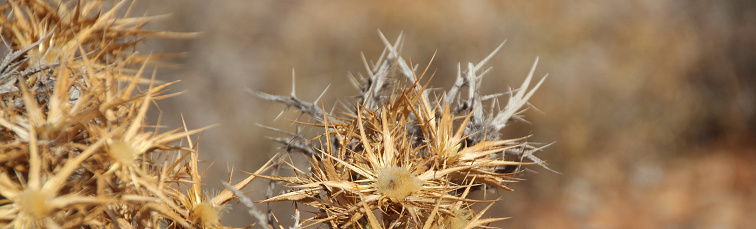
column 75, row 147
column 405, row 153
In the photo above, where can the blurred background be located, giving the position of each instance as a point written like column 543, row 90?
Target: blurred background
column 652, row 103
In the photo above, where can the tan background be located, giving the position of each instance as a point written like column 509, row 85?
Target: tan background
column 651, row 103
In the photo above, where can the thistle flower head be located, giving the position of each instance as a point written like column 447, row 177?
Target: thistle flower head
column 34, row 204
column 396, row 183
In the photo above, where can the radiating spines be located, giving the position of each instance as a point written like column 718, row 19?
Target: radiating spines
column 407, row 154
column 77, row 148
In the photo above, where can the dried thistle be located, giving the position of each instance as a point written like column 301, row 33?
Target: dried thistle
column 77, row 151
column 75, row 146
column 401, row 152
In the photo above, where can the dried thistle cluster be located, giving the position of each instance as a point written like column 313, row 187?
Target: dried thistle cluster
column 75, row 147
column 405, row 155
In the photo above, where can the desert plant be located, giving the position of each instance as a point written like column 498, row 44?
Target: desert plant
column 404, row 151
column 75, row 148
column 77, row 151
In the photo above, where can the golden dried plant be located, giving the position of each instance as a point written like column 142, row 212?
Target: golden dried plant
column 402, row 155
column 75, row 146
column 77, row 151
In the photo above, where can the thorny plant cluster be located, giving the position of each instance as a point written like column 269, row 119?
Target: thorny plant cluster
column 76, row 150
column 404, row 155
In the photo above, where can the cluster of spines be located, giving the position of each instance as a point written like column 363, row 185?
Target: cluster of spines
column 77, row 152
column 399, row 150
column 75, row 148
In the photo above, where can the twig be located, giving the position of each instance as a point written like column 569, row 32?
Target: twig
column 253, row 211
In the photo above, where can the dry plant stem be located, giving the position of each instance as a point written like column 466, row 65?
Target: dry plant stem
column 262, row 219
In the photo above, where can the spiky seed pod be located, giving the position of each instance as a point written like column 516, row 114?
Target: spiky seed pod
column 396, row 183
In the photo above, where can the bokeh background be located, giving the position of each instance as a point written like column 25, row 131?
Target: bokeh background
column 651, row 103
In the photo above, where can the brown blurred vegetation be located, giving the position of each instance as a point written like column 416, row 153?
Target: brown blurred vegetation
column 652, row 104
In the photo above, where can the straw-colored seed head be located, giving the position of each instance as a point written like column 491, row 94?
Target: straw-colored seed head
column 459, row 220
column 206, row 215
column 33, row 203
column 121, row 152
column 450, row 152
column 396, row 183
